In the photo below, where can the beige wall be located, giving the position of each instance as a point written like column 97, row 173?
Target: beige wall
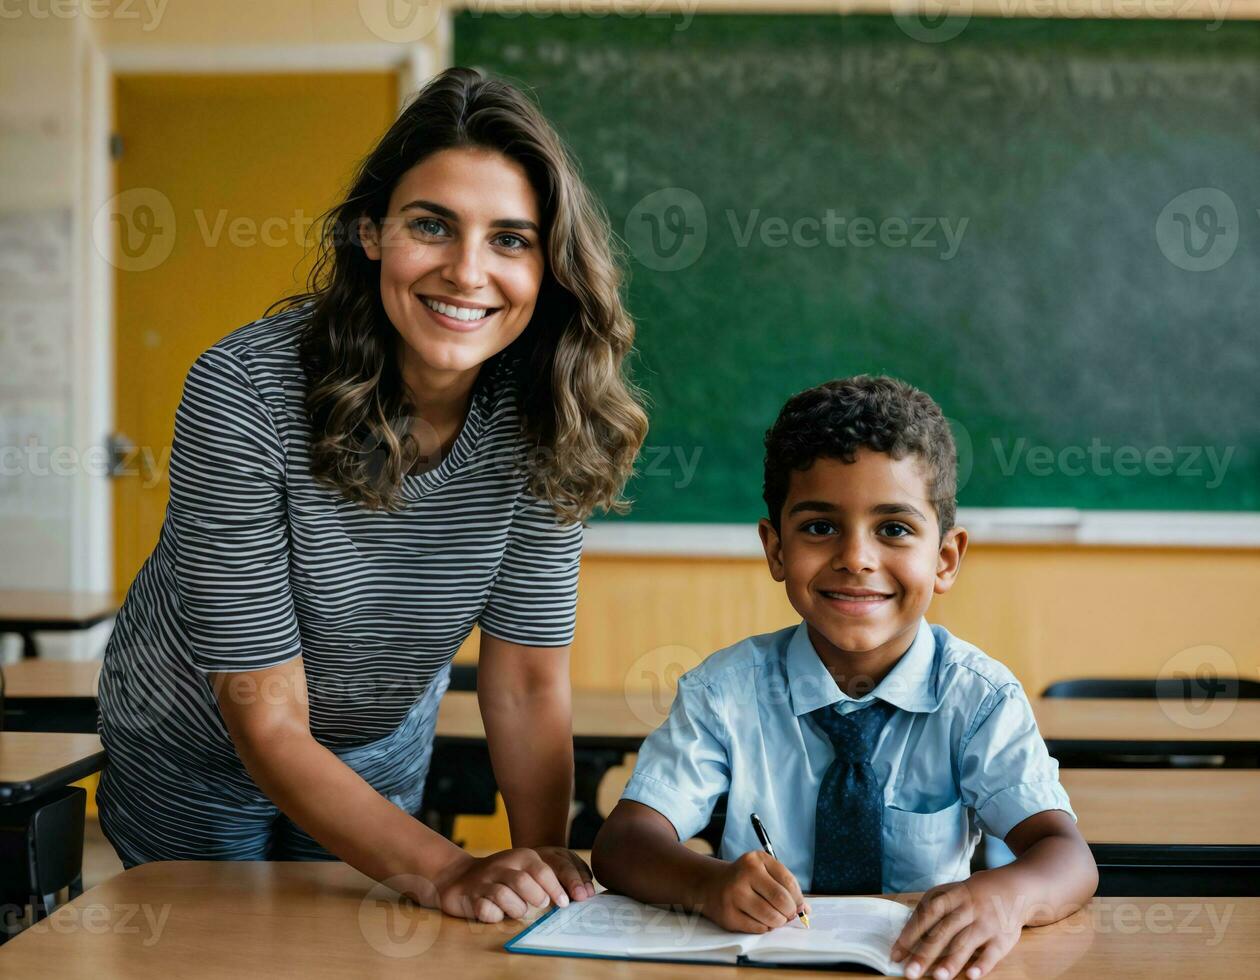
column 1048, row 612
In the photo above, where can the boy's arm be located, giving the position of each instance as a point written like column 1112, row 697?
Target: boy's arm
column 970, row 925
column 637, row 853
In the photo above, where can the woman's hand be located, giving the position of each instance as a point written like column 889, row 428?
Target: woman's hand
column 504, row 885
column 574, row 875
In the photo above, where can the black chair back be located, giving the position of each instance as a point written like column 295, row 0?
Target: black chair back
column 1163, row 688
column 41, row 851
column 463, row 677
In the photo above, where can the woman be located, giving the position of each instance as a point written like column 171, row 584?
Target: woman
column 400, row 453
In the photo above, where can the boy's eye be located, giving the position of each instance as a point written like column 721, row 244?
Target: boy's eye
column 818, row 527
column 895, row 529
column 428, row 226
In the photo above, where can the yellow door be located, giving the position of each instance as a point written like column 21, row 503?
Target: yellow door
column 220, row 180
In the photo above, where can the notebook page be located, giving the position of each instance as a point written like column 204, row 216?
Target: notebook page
column 838, row 925
column 620, row 926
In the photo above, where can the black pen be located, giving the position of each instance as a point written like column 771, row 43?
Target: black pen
column 766, row 846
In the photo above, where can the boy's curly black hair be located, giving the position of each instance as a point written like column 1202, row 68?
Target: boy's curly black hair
column 835, row 419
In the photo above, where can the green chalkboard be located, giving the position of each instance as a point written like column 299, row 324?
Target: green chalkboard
column 1051, row 226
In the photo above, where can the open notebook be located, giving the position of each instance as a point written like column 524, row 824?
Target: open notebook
column 844, row 930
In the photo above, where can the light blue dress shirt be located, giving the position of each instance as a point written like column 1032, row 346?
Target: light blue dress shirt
column 961, row 753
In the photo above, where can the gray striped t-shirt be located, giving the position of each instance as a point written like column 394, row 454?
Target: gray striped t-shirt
column 258, row 563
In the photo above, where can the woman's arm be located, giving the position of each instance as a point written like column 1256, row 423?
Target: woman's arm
column 266, row 713
column 526, row 707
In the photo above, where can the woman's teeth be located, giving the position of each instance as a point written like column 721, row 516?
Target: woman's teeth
column 456, row 312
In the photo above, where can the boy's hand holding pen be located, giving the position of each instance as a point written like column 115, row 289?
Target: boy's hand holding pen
column 760, row 830
column 754, row 893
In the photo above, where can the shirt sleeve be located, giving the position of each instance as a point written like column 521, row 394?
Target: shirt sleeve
column 684, row 766
column 533, row 600
column 227, row 519
column 1006, row 773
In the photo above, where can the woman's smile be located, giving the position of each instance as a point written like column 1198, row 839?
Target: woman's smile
column 460, row 316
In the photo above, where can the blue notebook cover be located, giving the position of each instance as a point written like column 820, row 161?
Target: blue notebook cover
column 511, row 946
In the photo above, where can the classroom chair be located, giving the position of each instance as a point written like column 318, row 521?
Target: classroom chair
column 1208, row 688
column 41, row 852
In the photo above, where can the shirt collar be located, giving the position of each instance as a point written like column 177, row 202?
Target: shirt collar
column 910, row 685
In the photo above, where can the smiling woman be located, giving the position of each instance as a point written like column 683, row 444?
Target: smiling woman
column 402, row 452
column 482, row 212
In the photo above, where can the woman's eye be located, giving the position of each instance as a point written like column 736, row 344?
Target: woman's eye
column 896, row 530
column 428, row 226
column 514, row 243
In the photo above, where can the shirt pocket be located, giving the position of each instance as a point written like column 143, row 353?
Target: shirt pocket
column 922, row 850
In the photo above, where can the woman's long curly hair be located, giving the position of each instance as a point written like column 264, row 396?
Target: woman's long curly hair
column 582, row 421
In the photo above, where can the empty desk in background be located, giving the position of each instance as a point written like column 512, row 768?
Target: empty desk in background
column 601, row 719
column 1084, row 727
column 606, row 727
column 28, row 611
column 1170, row 831
column 33, row 763
column 326, row 919
column 51, row 695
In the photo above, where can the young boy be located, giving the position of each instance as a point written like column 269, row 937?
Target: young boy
column 871, row 745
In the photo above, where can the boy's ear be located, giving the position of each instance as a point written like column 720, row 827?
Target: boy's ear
column 949, row 558
column 773, row 547
column 370, row 238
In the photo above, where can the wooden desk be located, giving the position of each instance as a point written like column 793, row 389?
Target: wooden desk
column 51, row 695
column 1089, row 726
column 317, row 920
column 1170, row 831
column 1177, row 807
column 32, row 763
column 52, row 679
column 26, row 611
column 606, row 726
column 601, row 719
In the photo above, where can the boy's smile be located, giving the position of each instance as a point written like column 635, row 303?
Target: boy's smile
column 860, row 550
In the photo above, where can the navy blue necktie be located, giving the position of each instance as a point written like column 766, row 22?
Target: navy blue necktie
column 848, row 848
